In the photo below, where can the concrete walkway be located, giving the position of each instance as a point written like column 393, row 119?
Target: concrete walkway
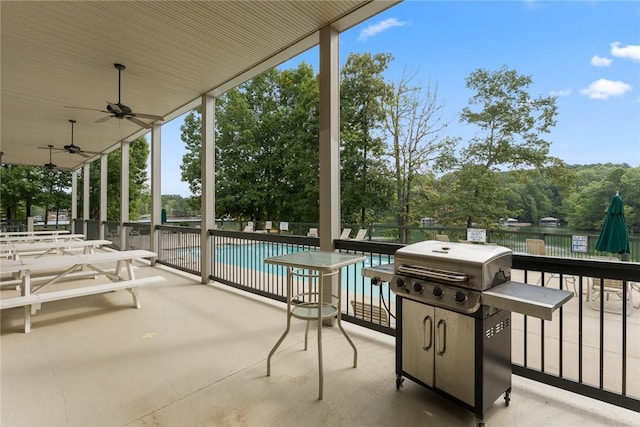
column 195, row 355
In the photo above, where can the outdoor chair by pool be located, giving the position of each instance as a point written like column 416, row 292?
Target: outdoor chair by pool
column 345, row 233
column 537, row 247
column 362, row 233
column 610, row 287
column 442, row 238
column 313, row 232
column 249, row 227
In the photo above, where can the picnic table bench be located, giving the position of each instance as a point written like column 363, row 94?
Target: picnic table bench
column 65, row 266
column 13, row 250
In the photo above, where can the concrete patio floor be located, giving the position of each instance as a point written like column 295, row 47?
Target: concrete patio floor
column 195, row 355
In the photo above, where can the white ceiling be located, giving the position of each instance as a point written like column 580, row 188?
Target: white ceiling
column 57, row 54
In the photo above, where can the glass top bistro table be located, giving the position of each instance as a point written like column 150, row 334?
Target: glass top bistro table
column 309, row 270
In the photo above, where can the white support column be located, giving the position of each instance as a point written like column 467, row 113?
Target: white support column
column 103, row 194
column 207, row 198
column 74, row 199
column 156, row 201
column 86, row 168
column 124, row 193
column 329, row 154
column 329, row 138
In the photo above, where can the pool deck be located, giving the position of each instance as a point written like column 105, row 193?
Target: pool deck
column 195, row 355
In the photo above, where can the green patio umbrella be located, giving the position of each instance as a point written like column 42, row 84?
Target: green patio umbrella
column 614, row 236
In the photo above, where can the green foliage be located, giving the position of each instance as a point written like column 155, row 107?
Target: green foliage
column 365, row 179
column 22, row 187
column 597, row 184
column 138, row 156
column 511, row 124
column 266, row 148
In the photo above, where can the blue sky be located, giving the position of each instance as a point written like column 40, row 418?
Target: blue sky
column 587, row 53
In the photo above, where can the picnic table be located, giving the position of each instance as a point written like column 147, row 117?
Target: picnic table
column 33, row 233
column 64, row 266
column 13, row 250
column 42, row 238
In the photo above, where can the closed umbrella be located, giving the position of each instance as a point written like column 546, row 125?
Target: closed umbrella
column 614, row 236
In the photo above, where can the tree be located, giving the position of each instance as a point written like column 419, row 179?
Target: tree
column 365, row 178
column 511, row 125
column 415, row 125
column 266, row 148
column 55, row 192
column 587, row 204
column 21, row 188
column 138, row 156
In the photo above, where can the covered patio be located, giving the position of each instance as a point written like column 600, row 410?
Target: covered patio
column 196, row 355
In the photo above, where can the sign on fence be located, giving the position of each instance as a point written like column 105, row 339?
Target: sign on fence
column 580, row 244
column 477, row 235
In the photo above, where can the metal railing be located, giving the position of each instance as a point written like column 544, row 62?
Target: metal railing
column 585, row 349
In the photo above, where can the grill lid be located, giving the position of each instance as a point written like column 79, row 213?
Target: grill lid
column 466, row 253
column 466, row 265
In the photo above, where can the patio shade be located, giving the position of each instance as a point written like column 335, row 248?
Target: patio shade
column 614, row 236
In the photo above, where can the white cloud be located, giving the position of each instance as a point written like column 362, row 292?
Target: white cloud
column 561, row 92
column 598, row 61
column 630, row 51
column 373, row 30
column 604, row 89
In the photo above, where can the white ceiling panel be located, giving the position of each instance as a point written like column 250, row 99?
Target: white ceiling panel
column 57, row 54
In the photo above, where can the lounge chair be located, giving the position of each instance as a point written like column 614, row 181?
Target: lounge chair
column 313, row 232
column 249, row 227
column 442, row 238
column 609, row 287
column 345, row 234
column 362, row 233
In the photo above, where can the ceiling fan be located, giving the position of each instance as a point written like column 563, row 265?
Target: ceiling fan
column 50, row 165
column 120, row 111
column 72, row 148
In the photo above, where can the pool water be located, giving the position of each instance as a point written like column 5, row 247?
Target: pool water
column 251, row 257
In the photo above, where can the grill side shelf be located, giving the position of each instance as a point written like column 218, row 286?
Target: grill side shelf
column 383, row 272
column 530, row 300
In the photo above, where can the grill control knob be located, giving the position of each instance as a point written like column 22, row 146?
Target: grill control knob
column 418, row 287
column 437, row 292
column 375, row 281
column 400, row 283
column 460, row 297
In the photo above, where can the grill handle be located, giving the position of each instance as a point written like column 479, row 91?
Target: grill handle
column 433, row 274
column 442, row 336
column 428, row 333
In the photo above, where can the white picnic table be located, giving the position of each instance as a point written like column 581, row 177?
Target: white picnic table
column 65, row 266
column 13, row 250
column 42, row 238
column 33, row 233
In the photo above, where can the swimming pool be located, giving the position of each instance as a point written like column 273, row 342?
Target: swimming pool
column 250, row 256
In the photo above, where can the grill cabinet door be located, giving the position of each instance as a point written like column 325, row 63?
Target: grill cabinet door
column 418, row 342
column 454, row 354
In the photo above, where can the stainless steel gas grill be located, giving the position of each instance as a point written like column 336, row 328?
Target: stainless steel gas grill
column 453, row 318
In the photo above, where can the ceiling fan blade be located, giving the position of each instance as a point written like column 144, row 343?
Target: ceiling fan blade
column 89, row 109
column 104, row 119
column 139, row 122
column 147, row 116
